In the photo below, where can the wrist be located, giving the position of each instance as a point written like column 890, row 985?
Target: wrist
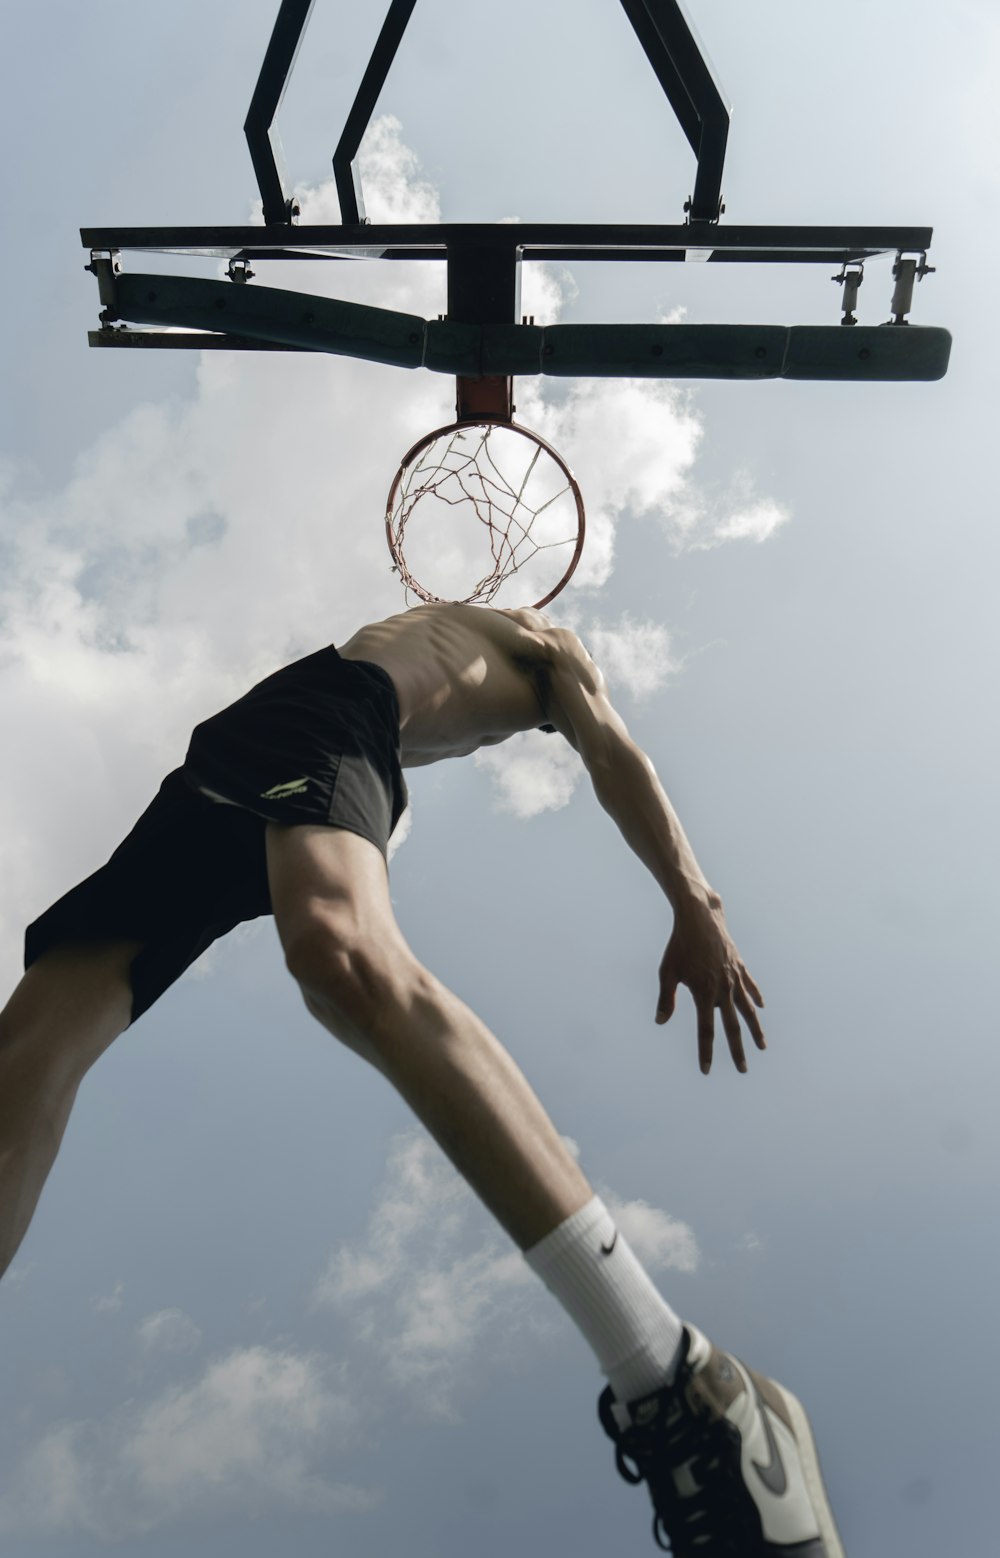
column 692, row 892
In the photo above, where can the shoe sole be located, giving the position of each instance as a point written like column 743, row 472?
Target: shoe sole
column 813, row 1476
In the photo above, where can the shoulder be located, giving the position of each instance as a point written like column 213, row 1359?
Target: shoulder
column 558, row 647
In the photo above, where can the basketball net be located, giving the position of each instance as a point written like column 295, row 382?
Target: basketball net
column 485, row 497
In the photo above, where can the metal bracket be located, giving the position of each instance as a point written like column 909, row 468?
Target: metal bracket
column 106, row 265
column 905, row 273
column 850, row 278
column 239, row 270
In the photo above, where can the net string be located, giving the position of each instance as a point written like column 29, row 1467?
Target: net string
column 500, row 506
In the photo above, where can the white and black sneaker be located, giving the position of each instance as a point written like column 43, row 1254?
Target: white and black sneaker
column 729, row 1459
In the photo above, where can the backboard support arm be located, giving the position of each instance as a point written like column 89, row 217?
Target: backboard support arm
column 660, row 26
column 692, row 91
column 259, row 128
column 345, row 171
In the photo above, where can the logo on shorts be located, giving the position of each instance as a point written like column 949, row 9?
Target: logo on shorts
column 281, row 792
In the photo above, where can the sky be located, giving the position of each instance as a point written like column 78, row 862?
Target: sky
column 256, row 1305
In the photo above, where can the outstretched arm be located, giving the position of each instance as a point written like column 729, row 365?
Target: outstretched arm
column 700, row 953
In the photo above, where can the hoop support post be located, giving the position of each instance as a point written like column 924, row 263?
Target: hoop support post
column 484, row 288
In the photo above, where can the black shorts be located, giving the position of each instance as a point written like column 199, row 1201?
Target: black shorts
column 317, row 742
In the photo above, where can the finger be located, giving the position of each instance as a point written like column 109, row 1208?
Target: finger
column 751, row 985
column 734, row 1033
column 749, row 1017
column 668, row 998
column 706, row 1034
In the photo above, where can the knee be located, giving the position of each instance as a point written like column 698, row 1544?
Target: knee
column 357, row 985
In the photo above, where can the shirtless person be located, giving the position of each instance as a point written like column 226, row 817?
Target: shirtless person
column 284, row 805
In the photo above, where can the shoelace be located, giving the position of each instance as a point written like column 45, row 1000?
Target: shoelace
column 709, row 1523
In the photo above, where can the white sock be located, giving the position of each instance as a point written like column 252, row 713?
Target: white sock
column 587, row 1265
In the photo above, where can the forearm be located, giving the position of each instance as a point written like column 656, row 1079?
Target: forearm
column 630, row 792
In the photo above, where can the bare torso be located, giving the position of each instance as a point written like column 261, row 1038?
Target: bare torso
column 466, row 676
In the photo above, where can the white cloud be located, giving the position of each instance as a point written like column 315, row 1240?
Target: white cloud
column 394, row 188
column 532, row 772
column 631, row 444
column 168, row 1330
column 251, row 1432
column 700, row 522
column 660, row 1241
column 431, row 1278
column 437, row 1293
column 755, row 521
column 633, row 655
column 433, row 1300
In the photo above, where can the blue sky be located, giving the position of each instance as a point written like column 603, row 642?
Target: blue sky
column 256, row 1306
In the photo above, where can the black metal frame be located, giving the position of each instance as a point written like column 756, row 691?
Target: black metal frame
column 564, row 241
column 484, row 259
column 684, row 74
column 260, row 130
column 660, row 26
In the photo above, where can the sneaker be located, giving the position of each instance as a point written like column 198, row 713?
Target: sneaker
column 730, row 1462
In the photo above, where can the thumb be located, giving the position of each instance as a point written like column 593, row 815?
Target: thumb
column 665, row 1005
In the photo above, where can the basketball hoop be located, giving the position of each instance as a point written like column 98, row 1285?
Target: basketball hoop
column 486, row 497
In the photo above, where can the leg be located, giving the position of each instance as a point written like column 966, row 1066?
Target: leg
column 358, row 976
column 331, row 903
column 695, row 1407
column 70, row 1005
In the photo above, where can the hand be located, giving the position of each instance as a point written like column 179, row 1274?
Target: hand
column 701, row 954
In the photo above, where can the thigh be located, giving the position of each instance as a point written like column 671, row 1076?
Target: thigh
column 331, row 879
column 187, row 873
column 330, row 896
column 70, row 1005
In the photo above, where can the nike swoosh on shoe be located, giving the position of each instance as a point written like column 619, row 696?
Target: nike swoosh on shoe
column 773, row 1474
